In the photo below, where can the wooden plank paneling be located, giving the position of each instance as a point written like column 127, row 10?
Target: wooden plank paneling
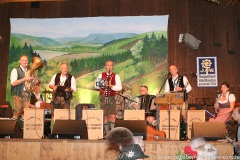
column 85, row 149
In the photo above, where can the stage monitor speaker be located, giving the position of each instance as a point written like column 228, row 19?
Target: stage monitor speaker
column 6, row 110
column 10, row 129
column 138, row 127
column 209, row 130
column 70, row 129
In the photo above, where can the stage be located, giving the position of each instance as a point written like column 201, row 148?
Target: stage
column 25, row 149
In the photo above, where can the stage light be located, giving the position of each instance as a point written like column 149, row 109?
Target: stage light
column 189, row 40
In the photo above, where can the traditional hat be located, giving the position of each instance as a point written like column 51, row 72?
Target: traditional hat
column 131, row 152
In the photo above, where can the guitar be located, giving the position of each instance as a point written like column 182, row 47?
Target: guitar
column 154, row 135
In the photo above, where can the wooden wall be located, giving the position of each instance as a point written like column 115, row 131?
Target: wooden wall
column 196, row 17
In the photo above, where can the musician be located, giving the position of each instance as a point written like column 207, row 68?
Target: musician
column 108, row 93
column 224, row 105
column 20, row 98
column 144, row 91
column 177, row 83
column 236, row 141
column 36, row 97
column 61, row 99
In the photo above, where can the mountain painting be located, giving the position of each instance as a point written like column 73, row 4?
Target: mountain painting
column 137, row 45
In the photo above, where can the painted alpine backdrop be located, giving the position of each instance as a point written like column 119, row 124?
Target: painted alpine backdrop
column 137, row 45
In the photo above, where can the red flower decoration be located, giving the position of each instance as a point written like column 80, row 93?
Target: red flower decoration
column 188, row 150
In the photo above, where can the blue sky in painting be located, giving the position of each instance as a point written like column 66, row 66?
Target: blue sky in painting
column 82, row 27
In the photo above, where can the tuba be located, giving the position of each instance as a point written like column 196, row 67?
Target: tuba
column 30, row 85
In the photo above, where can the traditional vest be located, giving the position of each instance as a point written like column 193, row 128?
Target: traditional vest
column 17, row 90
column 111, row 92
column 67, row 84
column 178, row 81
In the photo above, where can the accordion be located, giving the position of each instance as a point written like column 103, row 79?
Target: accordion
column 145, row 102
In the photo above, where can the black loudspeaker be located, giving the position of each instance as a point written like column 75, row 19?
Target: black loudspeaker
column 209, row 130
column 6, row 110
column 138, row 127
column 70, row 129
column 10, row 129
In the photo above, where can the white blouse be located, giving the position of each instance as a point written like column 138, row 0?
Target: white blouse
column 231, row 98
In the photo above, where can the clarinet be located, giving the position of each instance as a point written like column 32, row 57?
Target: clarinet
column 216, row 104
column 107, row 89
column 68, row 93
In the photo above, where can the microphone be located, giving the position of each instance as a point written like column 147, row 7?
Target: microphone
column 193, row 74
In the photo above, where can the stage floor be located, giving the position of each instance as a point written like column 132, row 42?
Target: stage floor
column 24, row 149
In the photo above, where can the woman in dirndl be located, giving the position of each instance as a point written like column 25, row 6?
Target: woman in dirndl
column 224, row 104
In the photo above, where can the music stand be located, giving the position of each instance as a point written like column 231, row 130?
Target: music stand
column 169, row 98
column 60, row 88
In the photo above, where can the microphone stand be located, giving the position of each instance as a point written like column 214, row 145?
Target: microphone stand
column 124, row 99
column 45, row 98
column 44, row 102
column 107, row 93
column 68, row 93
column 158, row 109
column 186, row 105
column 165, row 80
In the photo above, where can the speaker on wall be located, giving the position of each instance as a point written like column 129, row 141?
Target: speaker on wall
column 138, row 127
column 190, row 40
column 209, row 130
column 10, row 129
column 70, row 129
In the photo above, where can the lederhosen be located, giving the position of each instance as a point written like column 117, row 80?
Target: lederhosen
column 20, row 98
column 107, row 96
